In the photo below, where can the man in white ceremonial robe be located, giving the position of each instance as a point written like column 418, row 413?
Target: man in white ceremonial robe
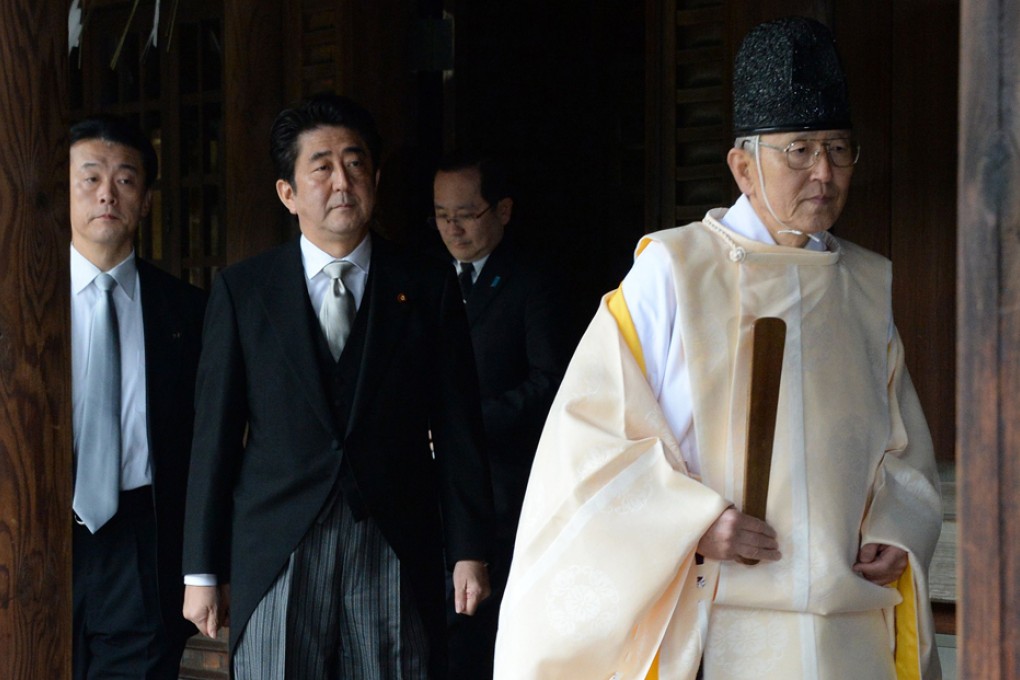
column 625, row 564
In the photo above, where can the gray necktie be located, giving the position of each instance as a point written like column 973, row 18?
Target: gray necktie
column 97, row 481
column 336, row 314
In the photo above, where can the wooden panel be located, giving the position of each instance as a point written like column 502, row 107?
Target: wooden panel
column 988, row 385
column 316, row 47
column 174, row 93
column 35, row 366
column 867, row 60
column 922, row 234
column 902, row 73
column 253, row 95
column 193, row 96
column 701, row 109
column 376, row 71
column 361, row 50
column 131, row 89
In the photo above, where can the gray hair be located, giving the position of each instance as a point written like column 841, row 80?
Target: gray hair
column 745, row 143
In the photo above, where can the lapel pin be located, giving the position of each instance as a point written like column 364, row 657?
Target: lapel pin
column 495, row 282
column 401, row 297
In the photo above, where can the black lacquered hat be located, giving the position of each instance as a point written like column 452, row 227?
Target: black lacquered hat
column 787, row 77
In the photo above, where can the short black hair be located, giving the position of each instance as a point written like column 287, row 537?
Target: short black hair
column 325, row 109
column 495, row 182
column 119, row 130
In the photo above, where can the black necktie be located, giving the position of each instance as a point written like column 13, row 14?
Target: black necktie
column 467, row 271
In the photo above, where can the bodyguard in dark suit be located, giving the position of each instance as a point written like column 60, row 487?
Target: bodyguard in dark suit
column 337, row 452
column 132, row 415
column 517, row 333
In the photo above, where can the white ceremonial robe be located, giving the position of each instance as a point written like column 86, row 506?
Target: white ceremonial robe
column 604, row 582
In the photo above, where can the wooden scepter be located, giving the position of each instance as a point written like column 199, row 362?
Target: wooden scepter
column 768, row 344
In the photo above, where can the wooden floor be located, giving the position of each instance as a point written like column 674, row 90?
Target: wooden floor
column 943, row 564
column 206, row 659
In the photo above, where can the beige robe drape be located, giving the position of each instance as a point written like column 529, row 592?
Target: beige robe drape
column 604, row 578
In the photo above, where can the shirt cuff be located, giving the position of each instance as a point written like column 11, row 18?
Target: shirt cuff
column 200, row 579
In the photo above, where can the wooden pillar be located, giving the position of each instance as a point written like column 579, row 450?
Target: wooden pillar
column 988, row 357
column 35, row 406
column 253, row 93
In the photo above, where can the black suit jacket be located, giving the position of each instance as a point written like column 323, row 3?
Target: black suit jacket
column 172, row 313
column 267, row 453
column 518, row 333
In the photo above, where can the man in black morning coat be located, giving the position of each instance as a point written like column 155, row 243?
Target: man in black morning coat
column 314, row 491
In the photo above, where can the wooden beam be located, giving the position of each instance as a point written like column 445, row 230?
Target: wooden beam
column 35, row 366
column 988, row 356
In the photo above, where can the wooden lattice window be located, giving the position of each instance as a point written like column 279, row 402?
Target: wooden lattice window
column 174, row 92
column 689, row 120
column 702, row 109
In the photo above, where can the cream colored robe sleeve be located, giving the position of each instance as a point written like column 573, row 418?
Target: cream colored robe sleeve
column 905, row 511
column 605, row 548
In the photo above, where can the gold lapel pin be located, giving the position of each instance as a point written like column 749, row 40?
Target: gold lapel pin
column 401, row 297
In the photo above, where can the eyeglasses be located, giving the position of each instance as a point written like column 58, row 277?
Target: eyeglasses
column 802, row 154
column 457, row 220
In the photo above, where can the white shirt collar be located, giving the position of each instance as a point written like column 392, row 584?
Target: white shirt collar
column 742, row 219
column 477, row 264
column 314, row 258
column 83, row 273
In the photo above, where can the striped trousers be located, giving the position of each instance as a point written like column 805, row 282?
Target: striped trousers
column 339, row 610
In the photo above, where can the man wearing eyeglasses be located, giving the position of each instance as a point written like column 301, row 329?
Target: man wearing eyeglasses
column 634, row 558
column 520, row 350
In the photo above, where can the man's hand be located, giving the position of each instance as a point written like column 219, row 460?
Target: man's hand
column 880, row 563
column 208, row 607
column 470, row 585
column 735, row 534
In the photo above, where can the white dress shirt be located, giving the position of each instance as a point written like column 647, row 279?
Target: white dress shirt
column 477, row 264
column 136, row 468
column 314, row 259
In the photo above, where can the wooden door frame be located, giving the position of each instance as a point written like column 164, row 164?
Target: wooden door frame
column 35, row 351
column 988, row 342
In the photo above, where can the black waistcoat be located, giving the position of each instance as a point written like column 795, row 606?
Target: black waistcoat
column 339, row 380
